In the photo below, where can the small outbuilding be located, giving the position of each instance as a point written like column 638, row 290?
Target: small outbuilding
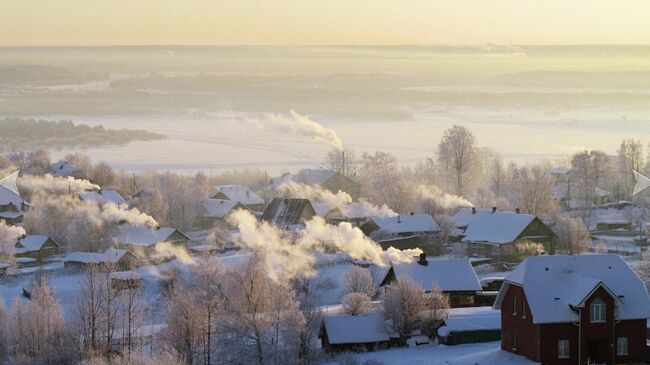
column 36, row 247
column 364, row 332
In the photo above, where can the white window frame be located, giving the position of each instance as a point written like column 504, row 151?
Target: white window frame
column 622, row 346
column 563, row 349
column 597, row 311
column 514, row 306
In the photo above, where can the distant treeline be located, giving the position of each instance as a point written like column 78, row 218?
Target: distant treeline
column 22, row 134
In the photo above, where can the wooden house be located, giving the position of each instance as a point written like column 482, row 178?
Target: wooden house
column 115, row 258
column 401, row 226
column 240, row 194
column 217, row 210
column 455, row 277
column 575, row 310
column 12, row 205
column 103, row 196
column 288, row 213
column 63, row 168
column 147, row 241
column 36, row 247
column 364, row 332
column 470, row 325
column 506, row 236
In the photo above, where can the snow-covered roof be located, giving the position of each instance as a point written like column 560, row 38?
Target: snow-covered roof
column 9, row 191
column 11, row 215
column 240, row 193
column 112, row 255
column 63, row 168
column 407, row 223
column 103, row 196
column 553, row 284
column 448, row 274
column 610, row 216
column 498, row 227
column 288, row 212
column 364, row 209
column 364, row 328
column 4, row 265
column 474, row 319
column 143, row 235
column 465, row 216
column 305, row 176
column 218, row 208
column 32, row 242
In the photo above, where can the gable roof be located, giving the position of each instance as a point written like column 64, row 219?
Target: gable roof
column 498, row 227
column 103, row 196
column 112, row 255
column 9, row 191
column 238, row 193
column 448, row 274
column 553, row 284
column 286, row 212
column 33, row 242
column 145, row 236
column 219, row 208
column 63, row 168
column 305, row 176
column 363, row 328
column 407, row 223
column 465, row 216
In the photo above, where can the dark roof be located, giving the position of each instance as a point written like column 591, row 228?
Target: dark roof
column 285, row 212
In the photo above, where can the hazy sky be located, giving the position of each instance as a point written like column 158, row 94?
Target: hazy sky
column 105, row 22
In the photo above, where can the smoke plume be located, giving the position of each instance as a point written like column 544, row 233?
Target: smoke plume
column 444, row 200
column 55, row 184
column 340, row 200
column 298, row 125
column 8, row 237
column 289, row 255
column 111, row 212
column 181, row 254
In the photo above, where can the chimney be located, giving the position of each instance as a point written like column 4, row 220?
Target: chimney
column 517, row 210
column 399, row 219
column 494, row 209
column 412, row 213
column 423, row 259
column 473, row 210
column 158, row 227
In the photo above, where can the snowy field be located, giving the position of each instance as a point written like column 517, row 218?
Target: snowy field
column 488, row 353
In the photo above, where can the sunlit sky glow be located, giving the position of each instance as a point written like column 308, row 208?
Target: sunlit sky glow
column 360, row 22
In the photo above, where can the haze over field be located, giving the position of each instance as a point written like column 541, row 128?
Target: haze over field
column 220, row 106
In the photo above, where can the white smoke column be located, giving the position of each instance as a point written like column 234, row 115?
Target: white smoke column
column 55, row 184
column 298, row 125
column 111, row 212
column 8, row 237
column 292, row 189
column 289, row 257
column 340, row 200
column 447, row 201
column 181, row 254
column 363, row 208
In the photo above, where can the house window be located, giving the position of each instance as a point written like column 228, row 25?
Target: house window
column 563, row 349
column 514, row 306
column 621, row 346
column 597, row 311
column 514, row 340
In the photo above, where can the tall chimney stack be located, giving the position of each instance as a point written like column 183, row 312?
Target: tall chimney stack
column 473, row 210
column 423, row 259
column 494, row 209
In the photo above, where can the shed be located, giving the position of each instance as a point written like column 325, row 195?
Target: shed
column 471, row 325
column 144, row 240
column 240, row 194
column 365, row 332
column 37, row 247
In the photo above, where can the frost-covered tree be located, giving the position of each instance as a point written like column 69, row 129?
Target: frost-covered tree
column 436, row 310
column 403, row 303
column 9, row 235
column 533, row 190
column 457, row 154
column 102, row 174
column 343, row 161
column 572, row 235
column 356, row 303
column 589, row 169
column 630, row 157
column 382, row 181
column 358, row 280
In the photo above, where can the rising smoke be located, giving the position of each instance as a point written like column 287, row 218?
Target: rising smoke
column 444, row 200
column 290, row 255
column 340, row 200
column 55, row 184
column 298, row 125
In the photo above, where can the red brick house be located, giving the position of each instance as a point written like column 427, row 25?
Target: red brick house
column 574, row 309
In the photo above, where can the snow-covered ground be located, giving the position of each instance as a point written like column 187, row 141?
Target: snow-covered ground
column 488, row 353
